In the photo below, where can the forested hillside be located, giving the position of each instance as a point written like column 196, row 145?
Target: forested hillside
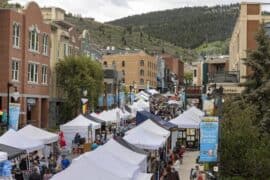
column 187, row 27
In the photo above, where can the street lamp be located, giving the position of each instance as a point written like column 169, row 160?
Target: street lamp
column 15, row 95
column 83, row 100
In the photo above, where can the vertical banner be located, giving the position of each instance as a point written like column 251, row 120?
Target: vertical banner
column 209, row 139
column 14, row 115
column 208, row 107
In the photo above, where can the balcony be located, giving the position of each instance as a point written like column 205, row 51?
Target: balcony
column 224, row 77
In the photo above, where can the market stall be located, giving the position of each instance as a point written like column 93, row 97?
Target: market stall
column 12, row 152
column 35, row 133
column 13, row 139
column 82, row 125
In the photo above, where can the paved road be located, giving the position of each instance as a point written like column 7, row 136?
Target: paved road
column 189, row 161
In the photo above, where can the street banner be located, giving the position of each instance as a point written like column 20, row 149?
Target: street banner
column 209, row 128
column 14, row 115
column 208, row 107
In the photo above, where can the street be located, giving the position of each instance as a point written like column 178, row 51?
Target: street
column 189, row 161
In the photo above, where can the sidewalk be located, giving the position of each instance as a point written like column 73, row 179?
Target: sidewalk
column 189, row 162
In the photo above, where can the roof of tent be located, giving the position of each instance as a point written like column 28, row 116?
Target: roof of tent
column 81, row 120
column 196, row 111
column 144, row 115
column 185, row 121
column 3, row 156
column 123, row 142
column 144, row 176
column 147, row 135
column 13, row 139
column 122, row 152
column 11, row 151
column 84, row 169
column 111, row 164
column 145, row 139
column 152, row 91
column 35, row 133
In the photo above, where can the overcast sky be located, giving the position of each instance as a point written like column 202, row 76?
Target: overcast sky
column 107, row 10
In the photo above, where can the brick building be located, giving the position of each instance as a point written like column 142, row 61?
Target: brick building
column 25, row 62
column 138, row 68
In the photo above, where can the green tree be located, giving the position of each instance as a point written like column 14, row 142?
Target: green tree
column 74, row 75
column 244, row 152
column 258, row 81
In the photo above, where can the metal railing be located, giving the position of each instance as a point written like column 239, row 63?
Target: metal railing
column 224, row 77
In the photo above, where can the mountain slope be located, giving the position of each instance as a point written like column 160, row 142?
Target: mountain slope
column 187, row 27
column 103, row 35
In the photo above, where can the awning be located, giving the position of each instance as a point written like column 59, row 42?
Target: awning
column 11, row 151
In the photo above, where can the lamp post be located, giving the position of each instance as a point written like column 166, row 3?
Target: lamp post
column 83, row 101
column 15, row 95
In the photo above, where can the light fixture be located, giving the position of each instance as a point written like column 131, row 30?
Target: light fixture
column 85, row 92
column 15, row 95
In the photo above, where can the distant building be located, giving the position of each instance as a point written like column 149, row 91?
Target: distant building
column 25, row 50
column 161, row 86
column 243, row 37
column 138, row 68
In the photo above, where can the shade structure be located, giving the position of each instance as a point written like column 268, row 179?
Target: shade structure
column 122, row 153
column 3, row 156
column 147, row 135
column 109, row 164
column 12, row 152
column 81, row 125
column 13, row 139
column 196, row 111
column 35, row 133
column 144, row 115
column 140, row 105
column 152, row 91
column 112, row 116
column 143, row 95
column 144, row 176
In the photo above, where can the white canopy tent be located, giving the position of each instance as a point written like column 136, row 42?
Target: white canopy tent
column 13, row 139
column 112, row 116
column 196, row 111
column 152, row 91
column 147, row 135
column 140, row 105
column 35, row 133
column 184, row 121
column 144, row 176
column 124, row 154
column 110, row 163
column 3, row 156
column 81, row 125
column 143, row 95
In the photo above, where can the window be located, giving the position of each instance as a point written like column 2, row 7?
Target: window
column 33, row 40
column 123, row 63
column 16, row 35
column 123, row 72
column 66, row 49
column 15, row 70
column 195, row 73
column 44, row 74
column 33, row 73
column 105, row 63
column 45, row 44
column 142, row 72
column 142, row 63
column 113, row 63
column 142, row 81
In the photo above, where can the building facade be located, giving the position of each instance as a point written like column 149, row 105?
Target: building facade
column 25, row 62
column 139, row 69
column 243, row 37
column 65, row 41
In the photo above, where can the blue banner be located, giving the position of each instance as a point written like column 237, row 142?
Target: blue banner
column 209, row 139
column 14, row 115
column 100, row 101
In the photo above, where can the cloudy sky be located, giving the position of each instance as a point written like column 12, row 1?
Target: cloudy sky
column 106, row 10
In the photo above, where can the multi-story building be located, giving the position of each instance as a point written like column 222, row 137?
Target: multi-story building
column 138, row 68
column 25, row 62
column 243, row 37
column 176, row 66
column 65, row 41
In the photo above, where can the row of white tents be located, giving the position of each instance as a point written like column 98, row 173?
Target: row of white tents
column 112, row 161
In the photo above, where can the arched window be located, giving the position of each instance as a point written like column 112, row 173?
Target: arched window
column 123, row 63
column 45, row 44
column 142, row 63
column 142, row 81
column 16, row 35
column 33, row 39
column 105, row 63
column 142, row 72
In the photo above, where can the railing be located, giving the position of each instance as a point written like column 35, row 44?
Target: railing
column 224, row 77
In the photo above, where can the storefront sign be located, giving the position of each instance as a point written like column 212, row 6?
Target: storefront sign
column 209, row 139
column 14, row 115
